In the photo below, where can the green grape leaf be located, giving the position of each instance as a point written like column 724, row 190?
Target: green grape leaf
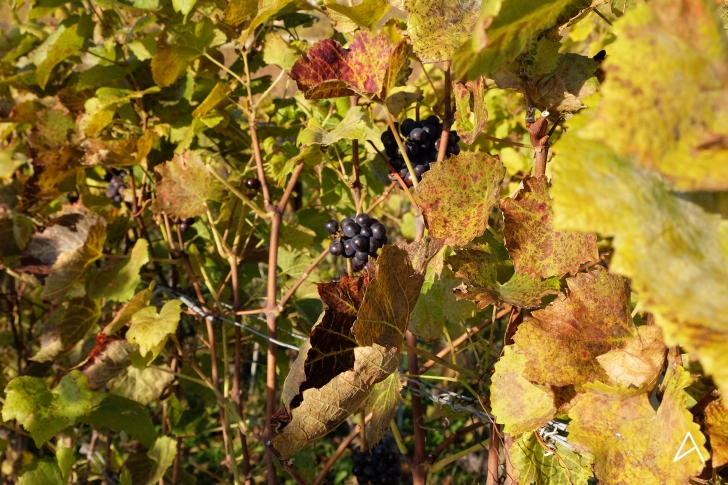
column 483, row 268
column 470, row 121
column 149, row 469
column 71, row 40
column 532, row 465
column 370, row 65
column 677, row 121
column 356, row 125
column 65, row 458
column 137, row 302
column 183, row 6
column 629, row 439
column 563, row 340
column 457, row 195
column 278, row 52
column 43, row 471
column 384, row 402
column 716, row 427
column 185, row 186
column 252, row 13
column 78, row 318
column 44, row 412
column 217, row 97
column 118, row 278
column 518, row 405
column 150, row 330
column 437, row 303
column 364, row 14
column 142, row 385
column 69, row 266
column 639, row 362
column 532, row 243
column 110, row 359
column 439, row 27
column 621, row 7
column 670, row 248
column 121, row 414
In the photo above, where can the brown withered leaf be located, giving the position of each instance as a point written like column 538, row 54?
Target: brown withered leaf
column 529, row 233
column 562, row 341
column 716, row 427
column 98, row 151
column 107, row 360
column 639, row 362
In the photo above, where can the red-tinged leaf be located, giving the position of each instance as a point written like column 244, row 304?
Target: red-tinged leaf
column 458, row 194
column 471, row 114
column 370, row 65
column 107, row 360
column 529, row 233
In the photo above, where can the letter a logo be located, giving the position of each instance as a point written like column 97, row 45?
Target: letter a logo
column 679, row 456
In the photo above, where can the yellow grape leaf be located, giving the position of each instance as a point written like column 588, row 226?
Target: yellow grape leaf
column 383, row 403
column 532, row 243
column 633, row 443
column 365, row 14
column 532, row 465
column 470, row 122
column 563, row 340
column 517, row 404
column 142, row 385
column 137, row 302
column 458, row 194
column 639, row 362
column 675, row 253
column 150, row 330
column 716, row 427
column 665, row 100
column 217, row 97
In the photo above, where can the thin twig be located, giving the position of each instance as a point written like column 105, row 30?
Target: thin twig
column 396, row 174
column 449, row 440
column 301, row 279
column 337, row 454
column 418, row 458
column 446, row 119
column 596, row 11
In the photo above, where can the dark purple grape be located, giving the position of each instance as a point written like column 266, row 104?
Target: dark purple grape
column 425, row 146
column 408, row 179
column 403, row 173
column 432, row 120
column 336, row 248
column 362, row 219
column 380, row 451
column 374, row 244
column 453, row 138
column 360, row 243
column 386, row 441
column 388, row 140
column 252, row 183
column 365, row 231
column 357, row 469
column 383, row 240
column 430, row 131
column 349, row 250
column 331, row 226
column 392, row 152
column 382, row 467
column 346, row 221
column 351, row 229
column 118, row 198
column 407, row 126
column 436, row 145
column 418, row 135
column 412, row 149
column 362, row 255
column 357, row 264
column 378, row 230
column 419, row 170
column 453, row 149
column 369, row 470
column 392, row 457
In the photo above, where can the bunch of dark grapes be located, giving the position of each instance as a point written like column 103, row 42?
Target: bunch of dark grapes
column 116, row 183
column 360, row 237
column 379, row 467
column 421, row 141
column 184, row 224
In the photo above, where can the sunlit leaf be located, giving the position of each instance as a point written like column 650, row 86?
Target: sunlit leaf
column 150, row 330
column 137, row 302
column 639, row 362
column 384, row 401
column 716, row 427
column 44, row 471
column 470, row 121
column 68, row 43
column 356, row 125
column 364, row 14
column 534, row 465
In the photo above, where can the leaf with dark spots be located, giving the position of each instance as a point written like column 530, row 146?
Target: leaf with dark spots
column 470, row 121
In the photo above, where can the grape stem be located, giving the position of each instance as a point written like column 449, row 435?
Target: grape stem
column 453, row 458
column 396, row 174
column 444, row 138
column 397, row 138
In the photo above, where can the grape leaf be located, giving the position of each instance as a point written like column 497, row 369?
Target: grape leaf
column 150, row 330
column 71, row 39
column 185, row 186
column 533, row 466
column 356, row 125
column 664, row 101
column 217, row 97
column 370, row 65
column 482, row 268
column 149, row 469
column 670, row 248
column 470, row 122
column 69, row 266
column 532, row 243
column 620, row 7
column 78, row 318
column 716, row 427
column 118, row 278
column 458, row 194
column 364, row 14
column 384, row 402
column 112, row 152
column 633, row 442
column 65, row 458
column 43, row 471
column 110, row 359
column 518, row 405
column 44, row 412
column 639, row 362
column 143, row 386
column 138, row 301
column 252, row 13
column 439, row 27
column 437, row 303
column 121, row 414
column 278, row 52
column 563, row 340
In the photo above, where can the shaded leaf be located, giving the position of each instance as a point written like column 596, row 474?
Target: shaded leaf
column 143, row 386
column 149, row 469
column 458, row 194
column 107, row 152
column 78, row 318
column 716, row 427
column 118, row 278
column 384, row 402
column 532, row 465
column 631, row 441
column 532, row 243
column 68, row 43
column 639, row 362
column 109, row 359
column 518, row 405
column 563, row 340
column 121, row 414
column 252, row 13
column 439, row 27
column 470, row 121
column 150, row 330
column 43, row 471
column 44, row 412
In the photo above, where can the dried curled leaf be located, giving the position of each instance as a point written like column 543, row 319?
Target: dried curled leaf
column 470, row 121
column 458, row 194
column 529, row 234
column 639, row 362
column 716, row 427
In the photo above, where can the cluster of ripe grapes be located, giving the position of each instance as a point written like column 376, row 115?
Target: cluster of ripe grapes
column 360, row 237
column 116, row 183
column 380, row 466
column 184, row 224
column 422, row 146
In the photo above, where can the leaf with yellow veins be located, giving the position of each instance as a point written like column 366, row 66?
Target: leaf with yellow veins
column 639, row 362
column 458, row 194
column 383, row 403
column 150, row 330
column 365, row 14
column 633, row 443
column 716, row 427
column 533, row 244
column 470, row 121
column 518, row 405
column 563, row 340
column 533, row 464
column 666, row 99
column 675, row 254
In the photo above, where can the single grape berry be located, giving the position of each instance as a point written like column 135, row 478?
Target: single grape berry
column 331, row 226
column 362, row 255
column 336, row 248
column 420, row 169
column 432, row 120
column 252, row 183
column 346, row 221
column 357, row 264
column 351, row 229
column 454, row 149
column 374, row 244
column 365, row 231
column 418, row 135
column 378, row 230
column 360, row 243
column 362, row 219
column 407, row 126
column 118, row 198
